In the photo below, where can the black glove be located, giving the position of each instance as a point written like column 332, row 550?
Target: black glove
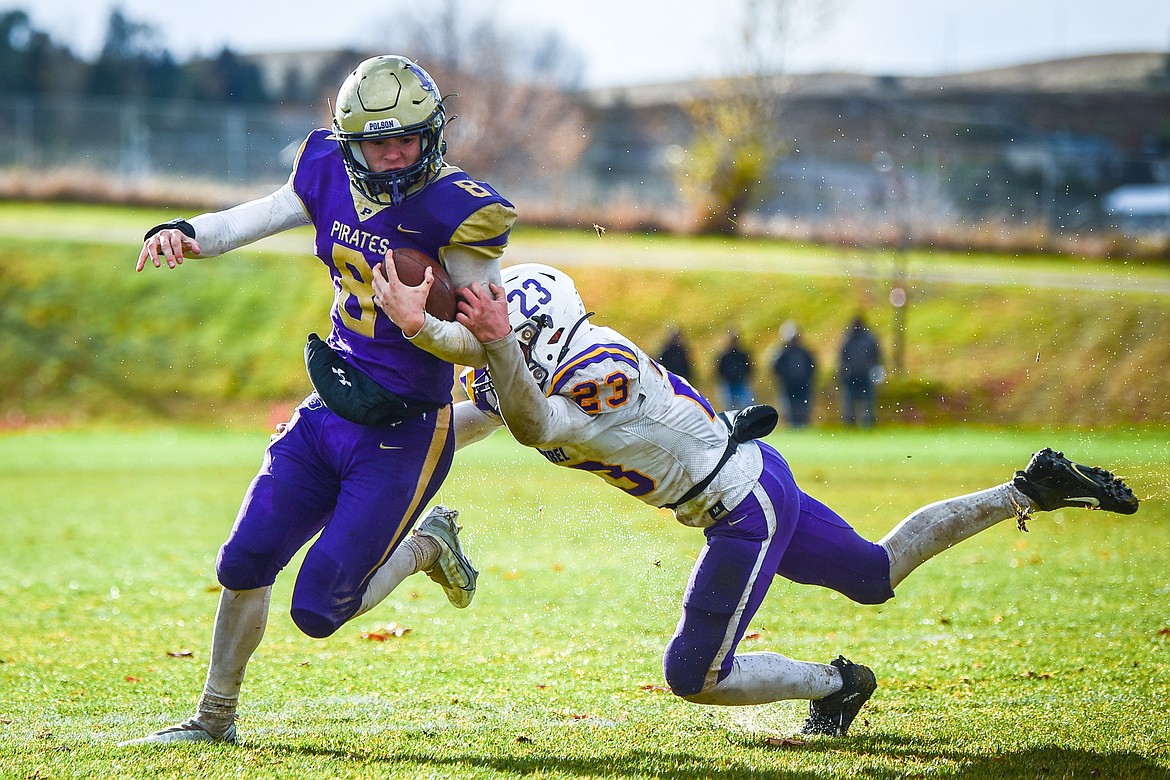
column 754, row 422
column 178, row 222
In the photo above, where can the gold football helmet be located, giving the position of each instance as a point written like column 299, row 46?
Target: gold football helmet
column 386, row 97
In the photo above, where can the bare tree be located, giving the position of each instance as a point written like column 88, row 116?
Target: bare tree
column 510, row 91
column 737, row 137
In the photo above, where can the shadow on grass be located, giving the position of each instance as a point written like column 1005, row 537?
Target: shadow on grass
column 903, row 758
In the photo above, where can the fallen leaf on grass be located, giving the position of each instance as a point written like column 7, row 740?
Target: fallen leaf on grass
column 784, row 742
column 523, row 740
column 180, row 654
column 656, row 688
column 576, row 715
column 751, row 636
column 1164, row 632
column 391, row 631
column 131, row 678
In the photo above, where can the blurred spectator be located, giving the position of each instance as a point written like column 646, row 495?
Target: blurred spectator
column 859, row 369
column 794, row 366
column 733, row 368
column 676, row 356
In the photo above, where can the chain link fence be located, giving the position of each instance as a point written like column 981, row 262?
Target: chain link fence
column 137, row 139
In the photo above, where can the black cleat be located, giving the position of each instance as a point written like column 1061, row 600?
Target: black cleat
column 1053, row 481
column 833, row 714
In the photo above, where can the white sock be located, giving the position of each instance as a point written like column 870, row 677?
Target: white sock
column 759, row 678
column 239, row 627
column 417, row 553
column 943, row 524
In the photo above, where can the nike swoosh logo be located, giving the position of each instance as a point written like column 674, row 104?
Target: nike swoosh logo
column 387, row 447
column 1086, row 500
column 735, row 522
column 402, row 229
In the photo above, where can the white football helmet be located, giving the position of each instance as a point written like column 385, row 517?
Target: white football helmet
column 544, row 310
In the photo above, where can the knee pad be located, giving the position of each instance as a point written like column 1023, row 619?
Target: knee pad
column 321, row 601
column 871, row 592
column 238, row 570
column 313, row 623
column 684, row 670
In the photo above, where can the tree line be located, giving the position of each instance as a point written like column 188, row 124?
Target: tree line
column 130, row 64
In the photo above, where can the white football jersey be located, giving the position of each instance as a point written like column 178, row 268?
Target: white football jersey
column 642, row 429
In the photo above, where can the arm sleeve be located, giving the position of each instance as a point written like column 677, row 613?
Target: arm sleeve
column 533, row 419
column 222, row 231
column 471, row 424
column 450, row 340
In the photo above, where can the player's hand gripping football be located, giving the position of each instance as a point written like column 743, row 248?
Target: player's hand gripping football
column 403, row 304
column 168, row 245
column 484, row 312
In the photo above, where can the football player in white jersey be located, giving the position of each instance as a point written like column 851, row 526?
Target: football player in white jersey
column 588, row 398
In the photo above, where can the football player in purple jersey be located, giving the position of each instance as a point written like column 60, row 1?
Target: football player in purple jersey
column 588, row 398
column 362, row 457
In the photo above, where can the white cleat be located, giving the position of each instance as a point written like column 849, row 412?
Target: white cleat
column 187, row 731
column 453, row 570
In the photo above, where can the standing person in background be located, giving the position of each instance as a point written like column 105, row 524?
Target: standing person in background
column 795, row 367
column 363, row 455
column 733, row 367
column 675, row 356
column 859, row 368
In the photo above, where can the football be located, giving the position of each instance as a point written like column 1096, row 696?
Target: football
column 410, row 264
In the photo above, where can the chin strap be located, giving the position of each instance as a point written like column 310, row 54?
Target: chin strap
column 569, row 338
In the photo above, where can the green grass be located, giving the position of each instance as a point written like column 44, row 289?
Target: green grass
column 1033, row 655
column 993, row 339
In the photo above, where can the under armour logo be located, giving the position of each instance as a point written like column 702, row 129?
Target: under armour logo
column 341, row 376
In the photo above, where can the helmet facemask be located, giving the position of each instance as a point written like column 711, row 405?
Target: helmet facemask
column 527, row 335
column 390, row 97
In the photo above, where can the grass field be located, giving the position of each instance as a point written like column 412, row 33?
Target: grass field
column 1044, row 654
column 990, row 339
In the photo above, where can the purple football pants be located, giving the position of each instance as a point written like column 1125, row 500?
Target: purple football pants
column 778, row 530
column 361, row 487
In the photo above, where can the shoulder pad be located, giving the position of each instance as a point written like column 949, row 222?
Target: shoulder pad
column 602, row 378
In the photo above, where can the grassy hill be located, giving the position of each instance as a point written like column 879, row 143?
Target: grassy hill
column 987, row 339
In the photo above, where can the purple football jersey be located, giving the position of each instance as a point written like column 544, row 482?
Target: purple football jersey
column 353, row 235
